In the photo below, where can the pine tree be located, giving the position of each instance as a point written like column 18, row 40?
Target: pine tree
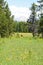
column 32, row 19
column 41, row 16
column 6, row 20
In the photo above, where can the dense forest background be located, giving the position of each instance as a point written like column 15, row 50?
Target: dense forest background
column 8, row 25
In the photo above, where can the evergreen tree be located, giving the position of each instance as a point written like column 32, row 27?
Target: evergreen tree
column 41, row 16
column 6, row 20
column 32, row 19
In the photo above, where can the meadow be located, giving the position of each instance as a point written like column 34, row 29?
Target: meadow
column 21, row 49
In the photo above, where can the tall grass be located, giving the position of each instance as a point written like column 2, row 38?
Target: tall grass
column 24, row 50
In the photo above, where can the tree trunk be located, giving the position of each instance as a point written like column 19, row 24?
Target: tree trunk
column 42, row 35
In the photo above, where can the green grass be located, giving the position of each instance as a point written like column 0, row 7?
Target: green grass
column 21, row 51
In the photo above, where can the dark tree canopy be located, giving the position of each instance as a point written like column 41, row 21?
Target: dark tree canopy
column 41, row 15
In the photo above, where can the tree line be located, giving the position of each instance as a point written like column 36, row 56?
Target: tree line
column 8, row 25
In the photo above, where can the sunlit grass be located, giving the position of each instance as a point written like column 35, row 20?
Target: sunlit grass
column 24, row 50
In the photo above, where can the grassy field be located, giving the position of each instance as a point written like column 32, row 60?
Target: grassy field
column 21, row 49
